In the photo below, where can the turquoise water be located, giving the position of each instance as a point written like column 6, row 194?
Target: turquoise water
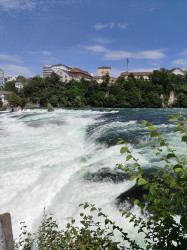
column 60, row 159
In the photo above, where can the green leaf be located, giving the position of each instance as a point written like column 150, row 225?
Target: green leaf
column 124, row 150
column 135, row 165
column 106, row 221
column 160, row 138
column 153, row 190
column 120, row 141
column 162, row 143
column 136, row 202
column 128, row 157
column 120, row 165
column 142, row 181
column 154, row 134
column 170, row 156
column 150, row 128
column 177, row 166
column 83, row 247
column 184, row 138
column 173, row 119
column 132, row 177
column 85, row 205
column 183, row 222
column 92, row 209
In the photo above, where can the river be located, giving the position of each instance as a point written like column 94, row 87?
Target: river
column 60, row 159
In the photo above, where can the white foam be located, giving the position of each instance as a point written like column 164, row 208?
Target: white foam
column 44, row 157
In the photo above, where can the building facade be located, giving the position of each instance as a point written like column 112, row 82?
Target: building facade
column 18, row 84
column 144, row 75
column 47, row 70
column 178, row 71
column 2, row 83
column 74, row 74
column 11, row 78
column 57, row 67
column 104, row 70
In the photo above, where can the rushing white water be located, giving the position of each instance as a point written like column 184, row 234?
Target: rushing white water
column 45, row 158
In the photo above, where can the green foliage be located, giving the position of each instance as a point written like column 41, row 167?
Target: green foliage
column 10, row 86
column 21, row 79
column 50, row 107
column 3, row 108
column 14, row 100
column 91, row 235
column 125, row 93
column 167, row 192
column 1, row 103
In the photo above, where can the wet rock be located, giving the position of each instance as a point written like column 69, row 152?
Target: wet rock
column 136, row 192
column 107, row 175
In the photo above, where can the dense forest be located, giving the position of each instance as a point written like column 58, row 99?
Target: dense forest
column 124, row 93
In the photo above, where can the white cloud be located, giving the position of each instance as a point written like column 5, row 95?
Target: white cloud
column 100, row 26
column 17, row 4
column 180, row 61
column 122, row 26
column 13, row 58
column 147, row 54
column 111, row 25
column 102, row 40
column 12, row 69
column 44, row 52
column 96, row 48
column 184, row 53
column 120, row 54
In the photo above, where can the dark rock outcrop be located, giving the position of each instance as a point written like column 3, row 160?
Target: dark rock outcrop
column 107, row 175
column 136, row 192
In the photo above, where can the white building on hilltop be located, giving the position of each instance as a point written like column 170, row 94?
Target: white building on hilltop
column 75, row 73
column 11, row 78
column 178, row 71
column 47, row 69
column 57, row 67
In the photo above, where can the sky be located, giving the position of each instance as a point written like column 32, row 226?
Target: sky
column 89, row 34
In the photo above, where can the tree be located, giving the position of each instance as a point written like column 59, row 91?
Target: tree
column 162, row 77
column 21, row 79
column 14, row 100
column 10, row 86
column 1, row 103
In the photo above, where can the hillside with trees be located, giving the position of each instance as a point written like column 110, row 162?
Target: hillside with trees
column 163, row 89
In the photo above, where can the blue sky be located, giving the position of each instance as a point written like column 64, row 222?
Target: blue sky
column 92, row 33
